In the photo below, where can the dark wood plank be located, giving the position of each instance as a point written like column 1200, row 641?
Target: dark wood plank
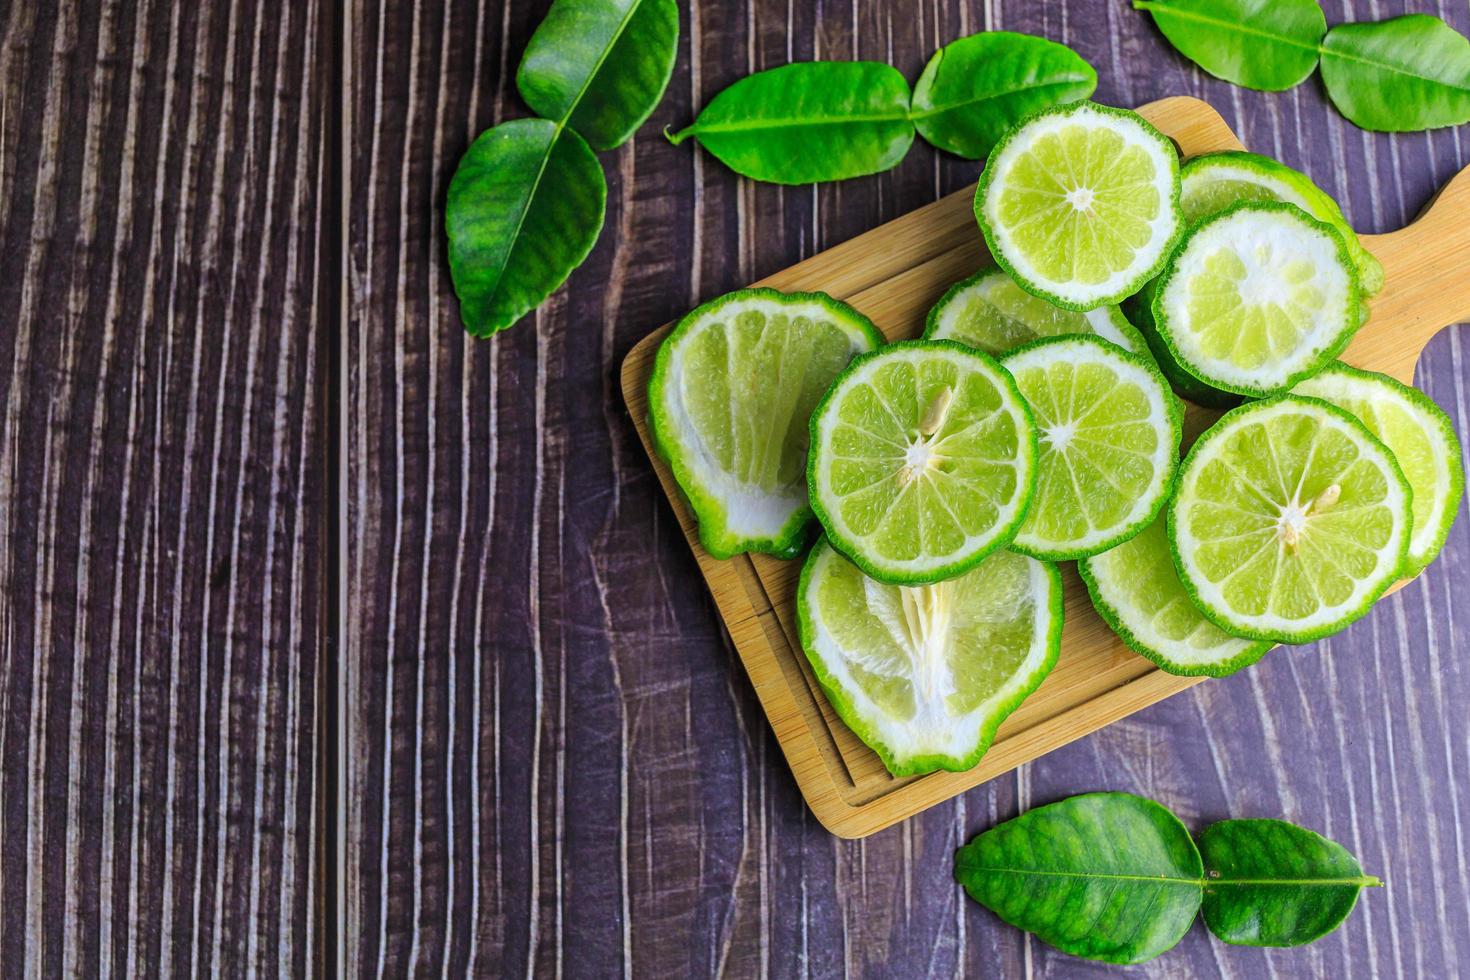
column 161, row 485
column 554, row 763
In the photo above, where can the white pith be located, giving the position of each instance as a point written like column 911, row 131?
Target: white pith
column 748, row 510
column 924, row 632
column 1161, row 227
column 1243, row 233
column 1078, row 352
column 1211, row 594
column 918, row 449
column 1103, row 320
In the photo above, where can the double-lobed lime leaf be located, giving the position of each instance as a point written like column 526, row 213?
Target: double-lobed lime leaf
column 808, row 122
column 1407, row 73
column 976, row 88
column 526, row 202
column 1117, row 878
column 1262, row 44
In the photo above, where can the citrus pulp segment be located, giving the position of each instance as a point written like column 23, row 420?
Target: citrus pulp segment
column 1109, row 433
column 1080, row 203
column 1256, row 298
column 923, row 460
column 1211, row 183
column 989, row 312
column 925, row 675
column 1138, row 308
column 1290, row 520
column 732, row 390
column 1419, row 435
column 1136, row 590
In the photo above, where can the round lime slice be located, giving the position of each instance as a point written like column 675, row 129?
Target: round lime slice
column 732, row 390
column 923, row 460
column 1109, row 438
column 1136, row 590
column 925, row 675
column 1080, row 203
column 989, row 312
column 1421, row 438
column 1139, row 310
column 1257, row 298
column 1290, row 520
column 1211, row 183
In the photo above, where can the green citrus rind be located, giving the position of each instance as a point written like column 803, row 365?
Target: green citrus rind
column 1303, row 362
column 696, row 478
column 1138, row 308
column 1165, row 458
column 1340, row 382
column 1046, row 647
column 1107, row 322
column 1367, row 590
column 1165, row 226
column 923, row 569
column 1116, row 602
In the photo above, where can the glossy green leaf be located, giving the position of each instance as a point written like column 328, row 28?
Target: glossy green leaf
column 1271, row 883
column 600, row 66
column 1108, row 876
column 976, row 88
column 809, row 122
column 1261, row 44
column 1408, row 73
column 523, row 210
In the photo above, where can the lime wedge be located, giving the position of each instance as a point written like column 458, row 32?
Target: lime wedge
column 1290, row 520
column 1211, row 183
column 1136, row 590
column 1109, row 439
column 1257, row 298
column 1080, row 203
column 732, row 390
column 1421, row 438
column 923, row 460
column 926, row 675
column 989, row 312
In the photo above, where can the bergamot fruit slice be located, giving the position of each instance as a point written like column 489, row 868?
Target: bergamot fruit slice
column 1290, row 520
column 732, row 391
column 989, row 312
column 1109, row 431
column 925, row 675
column 923, row 460
column 1080, row 203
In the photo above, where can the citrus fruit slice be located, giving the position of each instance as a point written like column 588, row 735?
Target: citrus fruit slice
column 925, row 675
column 1138, row 308
column 732, row 390
column 1257, row 298
column 1109, row 438
column 1080, row 203
column 923, row 460
column 1419, row 435
column 989, row 312
column 1290, row 520
column 1211, row 183
column 1136, row 590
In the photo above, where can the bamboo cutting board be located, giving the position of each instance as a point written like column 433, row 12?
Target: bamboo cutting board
column 894, row 273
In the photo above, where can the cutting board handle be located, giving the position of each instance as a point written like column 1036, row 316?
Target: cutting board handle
column 1427, row 268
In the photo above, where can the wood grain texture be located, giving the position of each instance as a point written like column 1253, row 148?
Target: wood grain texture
column 161, row 491
column 555, row 763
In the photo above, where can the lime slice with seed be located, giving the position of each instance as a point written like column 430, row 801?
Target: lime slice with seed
column 1290, row 520
column 989, row 312
column 1136, row 590
column 923, row 460
column 1109, row 438
column 1211, row 183
column 1257, row 298
column 1419, row 435
column 1080, row 203
column 732, row 391
column 925, row 675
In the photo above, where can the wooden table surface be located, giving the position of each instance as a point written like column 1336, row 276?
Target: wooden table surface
column 256, row 483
